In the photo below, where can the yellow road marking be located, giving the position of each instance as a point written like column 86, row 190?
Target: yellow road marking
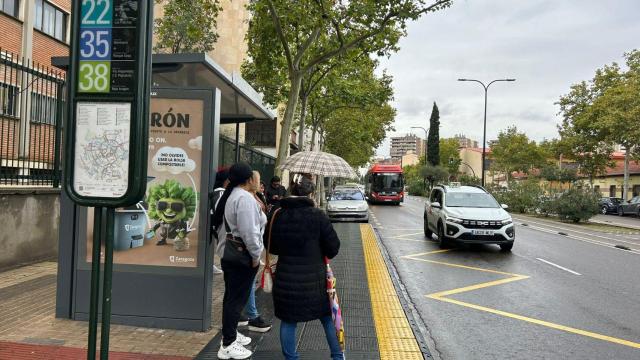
column 442, row 296
column 393, row 331
column 542, row 323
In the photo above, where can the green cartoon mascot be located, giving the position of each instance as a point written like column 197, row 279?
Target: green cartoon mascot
column 172, row 206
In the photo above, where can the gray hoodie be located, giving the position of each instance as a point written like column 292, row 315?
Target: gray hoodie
column 246, row 221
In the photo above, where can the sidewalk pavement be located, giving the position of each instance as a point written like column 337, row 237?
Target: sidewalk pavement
column 376, row 326
column 629, row 222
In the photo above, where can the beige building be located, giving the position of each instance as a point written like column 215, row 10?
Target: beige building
column 465, row 142
column 410, row 159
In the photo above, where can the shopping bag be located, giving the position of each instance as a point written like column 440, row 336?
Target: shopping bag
column 266, row 278
column 334, row 303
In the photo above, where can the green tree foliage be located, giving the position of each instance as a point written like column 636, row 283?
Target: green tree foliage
column 434, row 174
column 353, row 134
column 450, row 155
column 602, row 113
column 187, row 26
column 287, row 40
column 521, row 196
column 465, row 179
column 576, row 205
column 515, row 152
column 433, row 143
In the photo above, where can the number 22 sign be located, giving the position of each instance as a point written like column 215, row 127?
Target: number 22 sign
column 94, row 75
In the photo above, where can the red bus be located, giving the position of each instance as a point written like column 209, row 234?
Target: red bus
column 385, row 184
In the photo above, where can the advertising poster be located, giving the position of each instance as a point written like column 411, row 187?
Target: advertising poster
column 162, row 230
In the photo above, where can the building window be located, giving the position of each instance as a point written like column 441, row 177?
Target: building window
column 51, row 20
column 260, row 133
column 612, row 191
column 43, row 109
column 9, row 104
column 10, row 7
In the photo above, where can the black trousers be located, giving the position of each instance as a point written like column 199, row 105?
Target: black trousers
column 237, row 281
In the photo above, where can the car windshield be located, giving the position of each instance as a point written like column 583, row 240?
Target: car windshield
column 347, row 195
column 474, row 200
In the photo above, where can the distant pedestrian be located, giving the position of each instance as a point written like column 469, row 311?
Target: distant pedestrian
column 275, row 192
column 240, row 219
column 302, row 236
column 222, row 180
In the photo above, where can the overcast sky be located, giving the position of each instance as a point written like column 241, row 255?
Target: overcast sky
column 547, row 45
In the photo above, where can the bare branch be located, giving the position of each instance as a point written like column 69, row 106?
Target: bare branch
column 301, row 50
column 280, row 32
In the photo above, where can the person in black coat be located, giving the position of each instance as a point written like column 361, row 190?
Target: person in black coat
column 302, row 236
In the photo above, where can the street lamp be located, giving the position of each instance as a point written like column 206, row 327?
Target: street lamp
column 426, row 135
column 484, row 133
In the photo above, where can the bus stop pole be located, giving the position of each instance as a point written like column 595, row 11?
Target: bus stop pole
column 95, row 282
column 106, row 285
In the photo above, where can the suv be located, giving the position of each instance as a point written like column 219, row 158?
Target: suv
column 467, row 214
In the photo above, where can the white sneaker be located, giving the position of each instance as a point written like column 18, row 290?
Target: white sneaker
column 243, row 340
column 234, row 351
column 216, row 270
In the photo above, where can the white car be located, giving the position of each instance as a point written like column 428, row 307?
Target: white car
column 467, row 214
column 347, row 204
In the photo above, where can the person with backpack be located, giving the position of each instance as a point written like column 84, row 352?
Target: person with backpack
column 240, row 219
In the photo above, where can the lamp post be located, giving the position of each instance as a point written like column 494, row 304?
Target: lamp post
column 426, row 135
column 484, row 132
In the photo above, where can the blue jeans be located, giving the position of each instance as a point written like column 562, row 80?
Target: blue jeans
column 288, row 339
column 250, row 309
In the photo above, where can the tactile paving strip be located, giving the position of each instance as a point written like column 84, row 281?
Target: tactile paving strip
column 395, row 337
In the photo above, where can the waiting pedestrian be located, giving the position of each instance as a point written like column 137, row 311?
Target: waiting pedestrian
column 275, row 192
column 222, row 180
column 302, row 236
column 240, row 216
column 253, row 318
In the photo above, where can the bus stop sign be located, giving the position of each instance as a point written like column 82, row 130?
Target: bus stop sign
column 109, row 76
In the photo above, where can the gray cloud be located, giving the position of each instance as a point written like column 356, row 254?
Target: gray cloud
column 546, row 45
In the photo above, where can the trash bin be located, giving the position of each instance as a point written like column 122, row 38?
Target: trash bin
column 130, row 225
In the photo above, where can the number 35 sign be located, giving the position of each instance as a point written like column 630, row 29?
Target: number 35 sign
column 109, row 90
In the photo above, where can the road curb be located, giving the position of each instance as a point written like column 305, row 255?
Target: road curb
column 419, row 327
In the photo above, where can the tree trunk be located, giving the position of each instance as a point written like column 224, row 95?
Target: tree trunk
column 287, row 122
column 625, row 184
column 313, row 137
column 303, row 115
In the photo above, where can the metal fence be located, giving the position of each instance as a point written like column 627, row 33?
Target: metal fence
column 258, row 160
column 31, row 110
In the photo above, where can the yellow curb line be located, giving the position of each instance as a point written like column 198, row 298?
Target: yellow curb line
column 395, row 336
column 441, row 296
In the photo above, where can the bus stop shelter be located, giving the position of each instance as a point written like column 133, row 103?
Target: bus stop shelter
column 160, row 280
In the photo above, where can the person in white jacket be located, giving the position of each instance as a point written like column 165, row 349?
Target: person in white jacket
column 242, row 221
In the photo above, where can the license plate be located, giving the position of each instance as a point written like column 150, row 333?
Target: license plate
column 387, row 199
column 483, row 232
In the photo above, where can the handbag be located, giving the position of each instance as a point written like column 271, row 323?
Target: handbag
column 334, row 303
column 266, row 278
column 234, row 250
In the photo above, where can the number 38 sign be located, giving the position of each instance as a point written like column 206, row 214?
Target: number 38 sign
column 109, row 94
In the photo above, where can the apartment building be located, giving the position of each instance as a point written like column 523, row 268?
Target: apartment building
column 466, row 142
column 400, row 145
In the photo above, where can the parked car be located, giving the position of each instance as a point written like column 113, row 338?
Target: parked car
column 631, row 207
column 347, row 204
column 467, row 214
column 609, row 205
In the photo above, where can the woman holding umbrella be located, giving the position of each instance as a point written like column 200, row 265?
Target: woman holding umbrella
column 302, row 236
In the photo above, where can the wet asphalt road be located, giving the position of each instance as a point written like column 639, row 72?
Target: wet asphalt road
column 572, row 296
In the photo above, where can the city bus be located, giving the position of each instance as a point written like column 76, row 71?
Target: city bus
column 384, row 184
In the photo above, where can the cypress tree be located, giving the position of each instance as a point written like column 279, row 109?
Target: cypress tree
column 433, row 142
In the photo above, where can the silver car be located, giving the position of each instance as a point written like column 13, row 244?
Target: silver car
column 347, row 204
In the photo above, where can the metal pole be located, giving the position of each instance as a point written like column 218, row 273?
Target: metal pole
column 484, row 134
column 95, row 283
column 106, row 285
column 237, row 143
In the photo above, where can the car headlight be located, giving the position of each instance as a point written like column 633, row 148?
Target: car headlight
column 507, row 221
column 362, row 207
column 330, row 207
column 454, row 220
